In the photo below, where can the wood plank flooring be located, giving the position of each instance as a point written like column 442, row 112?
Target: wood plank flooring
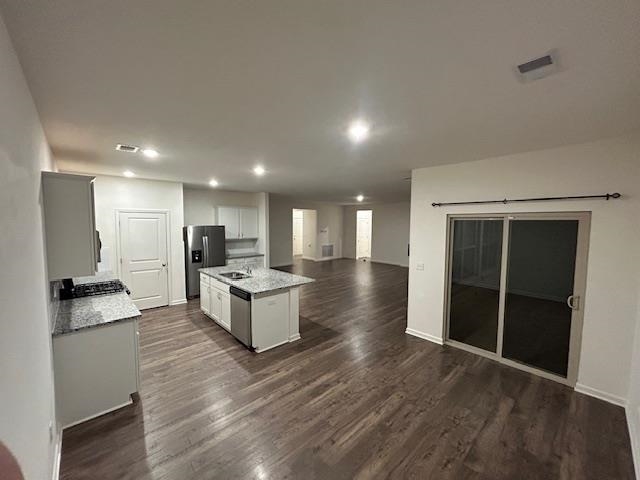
column 355, row 398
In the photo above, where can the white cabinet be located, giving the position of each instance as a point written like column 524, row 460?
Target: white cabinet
column 239, row 222
column 225, row 313
column 270, row 321
column 230, row 218
column 215, row 301
column 70, row 227
column 205, row 296
column 96, row 370
column 248, row 223
column 216, row 304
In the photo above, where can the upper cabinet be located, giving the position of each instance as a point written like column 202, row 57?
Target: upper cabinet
column 239, row 222
column 248, row 223
column 230, row 218
column 70, row 228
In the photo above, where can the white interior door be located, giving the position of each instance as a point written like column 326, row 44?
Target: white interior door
column 297, row 236
column 363, row 234
column 143, row 257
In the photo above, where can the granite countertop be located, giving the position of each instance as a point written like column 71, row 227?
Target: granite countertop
column 93, row 311
column 245, row 255
column 262, row 279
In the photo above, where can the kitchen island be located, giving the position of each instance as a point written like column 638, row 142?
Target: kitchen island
column 268, row 298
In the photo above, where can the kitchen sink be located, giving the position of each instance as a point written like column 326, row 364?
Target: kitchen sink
column 235, row 275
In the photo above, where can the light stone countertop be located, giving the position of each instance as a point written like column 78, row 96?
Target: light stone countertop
column 262, row 279
column 93, row 311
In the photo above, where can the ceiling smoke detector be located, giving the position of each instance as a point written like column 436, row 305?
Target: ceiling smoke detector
column 121, row 147
column 537, row 68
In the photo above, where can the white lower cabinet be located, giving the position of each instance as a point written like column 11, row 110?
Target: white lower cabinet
column 216, row 305
column 270, row 321
column 205, row 293
column 215, row 301
column 225, row 315
column 96, row 370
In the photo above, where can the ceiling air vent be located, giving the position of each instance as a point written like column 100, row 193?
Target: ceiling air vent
column 537, row 68
column 121, row 147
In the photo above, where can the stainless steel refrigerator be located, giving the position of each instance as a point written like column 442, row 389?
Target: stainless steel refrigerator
column 204, row 246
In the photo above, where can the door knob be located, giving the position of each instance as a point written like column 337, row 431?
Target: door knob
column 573, row 302
column 164, row 264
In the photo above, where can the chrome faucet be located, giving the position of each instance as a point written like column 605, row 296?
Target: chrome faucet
column 247, row 268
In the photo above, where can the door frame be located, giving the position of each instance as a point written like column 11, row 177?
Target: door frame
column 580, row 280
column 370, row 210
column 167, row 214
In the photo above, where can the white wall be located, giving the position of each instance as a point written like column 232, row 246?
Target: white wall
column 27, row 404
column 113, row 193
column 389, row 232
column 633, row 402
column 281, row 227
column 611, row 300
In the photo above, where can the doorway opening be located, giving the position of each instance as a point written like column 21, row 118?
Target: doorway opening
column 515, row 289
column 364, row 220
column 304, row 226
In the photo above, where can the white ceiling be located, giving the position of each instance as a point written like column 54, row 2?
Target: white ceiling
column 219, row 86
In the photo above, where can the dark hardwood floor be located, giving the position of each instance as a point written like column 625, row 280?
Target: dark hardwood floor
column 355, row 398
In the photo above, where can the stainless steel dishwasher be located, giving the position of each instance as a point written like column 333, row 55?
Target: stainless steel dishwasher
column 241, row 315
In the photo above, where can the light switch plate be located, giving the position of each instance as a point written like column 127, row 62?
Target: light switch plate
column 420, row 266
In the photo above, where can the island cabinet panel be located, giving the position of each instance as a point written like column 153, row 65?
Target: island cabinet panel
column 215, row 301
column 96, row 370
column 270, row 321
column 205, row 297
column 225, row 313
column 216, row 305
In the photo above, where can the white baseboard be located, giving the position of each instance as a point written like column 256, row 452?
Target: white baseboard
column 632, row 418
column 602, row 395
column 260, row 350
column 180, row 301
column 324, row 259
column 99, row 414
column 57, row 454
column 424, row 336
column 295, row 337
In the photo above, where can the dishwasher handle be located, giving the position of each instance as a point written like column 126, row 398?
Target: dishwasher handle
column 236, row 292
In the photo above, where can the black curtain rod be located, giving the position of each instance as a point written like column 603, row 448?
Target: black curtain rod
column 606, row 196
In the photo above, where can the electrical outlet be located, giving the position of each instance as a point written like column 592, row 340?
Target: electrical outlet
column 51, row 431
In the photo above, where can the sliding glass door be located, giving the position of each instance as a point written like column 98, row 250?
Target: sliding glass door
column 515, row 289
column 475, row 282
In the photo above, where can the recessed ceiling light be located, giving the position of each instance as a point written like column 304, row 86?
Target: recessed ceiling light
column 150, row 153
column 213, row 182
column 360, row 198
column 128, row 173
column 358, row 131
column 258, row 170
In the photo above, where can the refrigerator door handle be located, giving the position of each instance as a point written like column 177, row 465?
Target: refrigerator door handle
column 205, row 253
